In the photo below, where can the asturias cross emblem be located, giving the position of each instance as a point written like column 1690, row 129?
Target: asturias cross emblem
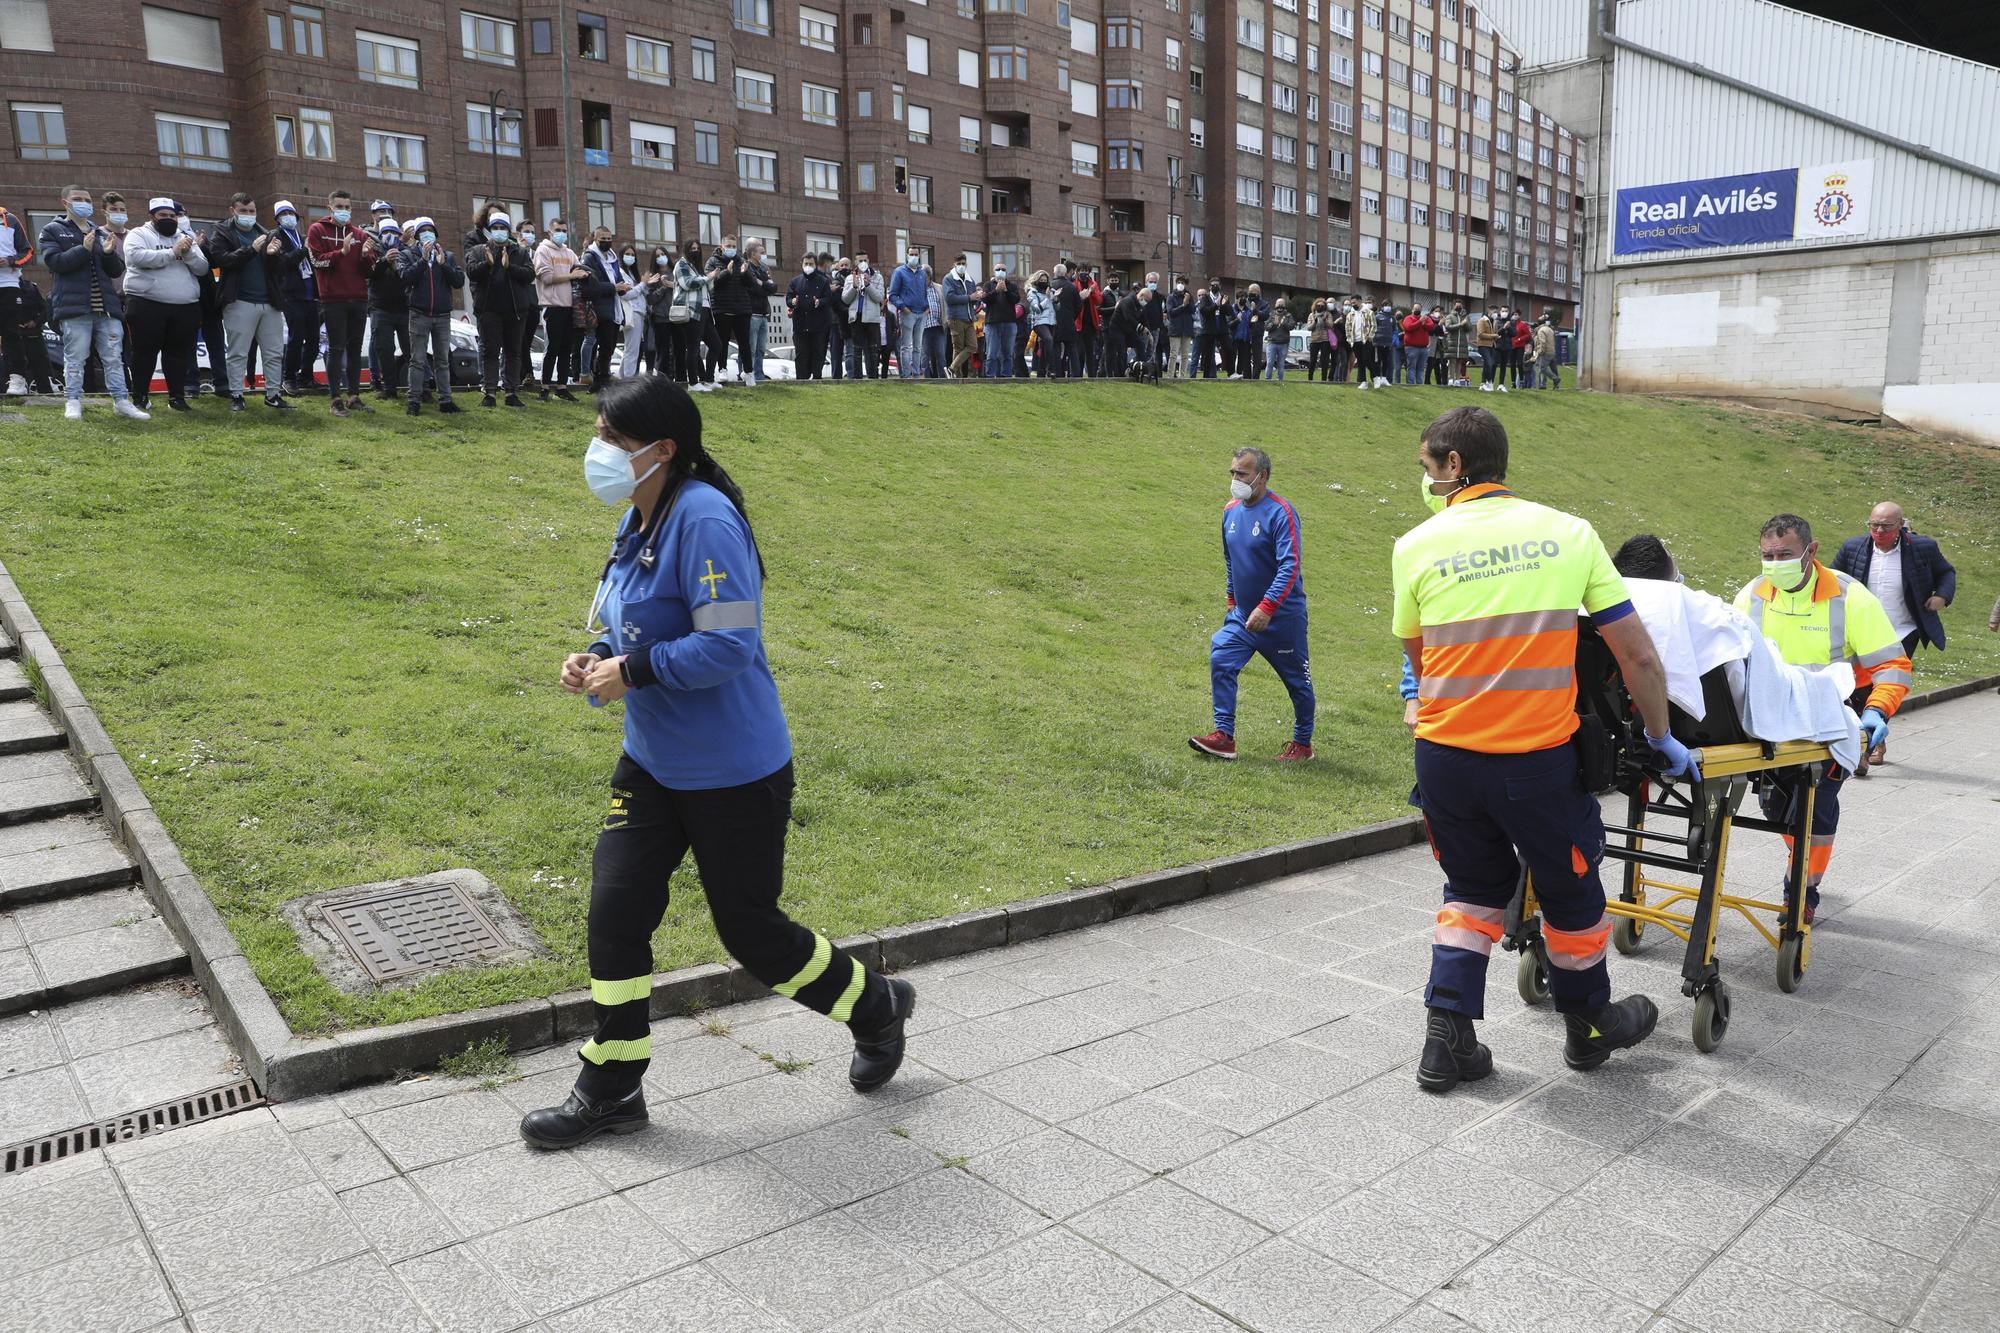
column 711, row 579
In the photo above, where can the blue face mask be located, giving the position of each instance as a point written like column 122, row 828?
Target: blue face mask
column 729, row 252
column 341, row 215
column 117, row 219
column 610, row 472
column 427, row 237
column 83, row 208
column 559, row 237
column 246, row 221
column 497, row 233
column 1152, row 286
column 289, row 222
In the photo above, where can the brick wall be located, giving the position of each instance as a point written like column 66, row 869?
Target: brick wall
column 1962, row 320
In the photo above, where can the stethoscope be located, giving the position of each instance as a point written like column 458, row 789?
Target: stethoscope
column 649, row 554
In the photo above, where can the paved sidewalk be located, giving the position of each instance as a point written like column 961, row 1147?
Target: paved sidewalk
column 1201, row 1119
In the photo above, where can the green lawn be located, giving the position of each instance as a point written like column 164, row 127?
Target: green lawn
column 329, row 649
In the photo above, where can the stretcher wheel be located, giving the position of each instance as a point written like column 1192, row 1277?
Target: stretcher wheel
column 1531, row 976
column 1625, row 935
column 1711, row 1017
column 1792, row 956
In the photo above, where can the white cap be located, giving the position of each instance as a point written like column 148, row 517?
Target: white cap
column 284, row 206
column 423, row 222
column 159, row 202
column 389, row 224
column 501, row 218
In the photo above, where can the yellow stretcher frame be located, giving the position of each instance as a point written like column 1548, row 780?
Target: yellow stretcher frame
column 1710, row 811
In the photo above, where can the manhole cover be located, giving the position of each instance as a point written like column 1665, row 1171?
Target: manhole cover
column 414, row 930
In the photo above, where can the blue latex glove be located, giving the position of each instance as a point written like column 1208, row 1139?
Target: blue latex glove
column 1674, row 757
column 1875, row 727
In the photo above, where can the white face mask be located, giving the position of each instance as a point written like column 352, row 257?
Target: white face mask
column 1240, row 490
column 611, row 473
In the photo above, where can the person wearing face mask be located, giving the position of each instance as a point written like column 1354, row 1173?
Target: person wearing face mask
column 731, row 302
column 762, row 287
column 633, row 320
column 1004, row 309
column 861, row 299
column 960, row 291
column 1815, row 617
column 1211, row 314
column 809, row 300
column 86, row 263
column 1089, row 323
column 301, row 305
column 1263, row 556
column 1180, row 332
column 342, row 255
column 1486, row 597
column 909, row 297
column 602, row 289
column 558, row 277
column 706, row 763
column 162, row 302
column 252, row 266
column 432, row 278
column 691, row 295
column 16, row 253
column 502, row 276
column 388, row 313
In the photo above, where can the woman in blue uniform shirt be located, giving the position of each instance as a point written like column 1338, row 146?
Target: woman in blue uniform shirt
column 707, row 762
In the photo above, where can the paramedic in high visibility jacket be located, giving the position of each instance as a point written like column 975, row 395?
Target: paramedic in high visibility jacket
column 1263, row 558
column 707, row 762
column 1486, row 598
column 1816, row 616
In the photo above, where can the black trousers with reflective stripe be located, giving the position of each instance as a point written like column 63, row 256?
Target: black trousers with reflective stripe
column 738, row 838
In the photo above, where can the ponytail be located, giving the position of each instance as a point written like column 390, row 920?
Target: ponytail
column 653, row 407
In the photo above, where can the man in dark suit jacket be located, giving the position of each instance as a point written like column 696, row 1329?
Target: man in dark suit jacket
column 1908, row 574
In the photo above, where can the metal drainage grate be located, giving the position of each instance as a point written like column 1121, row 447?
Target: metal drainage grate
column 413, row 930
column 210, row 1105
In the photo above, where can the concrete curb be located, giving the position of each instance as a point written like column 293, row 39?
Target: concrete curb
column 288, row 1066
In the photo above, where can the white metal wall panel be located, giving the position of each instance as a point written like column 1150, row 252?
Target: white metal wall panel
column 1545, row 33
column 1671, row 125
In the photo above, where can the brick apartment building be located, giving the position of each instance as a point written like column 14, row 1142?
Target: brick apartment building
column 1315, row 145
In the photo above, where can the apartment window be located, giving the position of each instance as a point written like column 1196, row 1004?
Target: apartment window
column 1083, row 36
column 1399, row 163
column 1198, row 239
column 379, row 58
column 1371, row 155
column 1249, row 88
column 1447, row 51
column 1370, row 247
column 1479, row 187
column 1173, row 113
column 1250, row 244
column 479, row 131
column 1447, row 137
column 1370, row 112
column 1399, row 119
column 822, row 178
column 1420, row 256
column 1312, row 108
column 485, row 38
column 1420, row 128
column 917, row 53
column 1483, row 66
column 701, row 59
column 1340, row 162
column 1121, row 33
column 1173, row 53
column 1420, row 215
column 1284, row 250
column 1562, row 272
column 24, row 26
column 388, row 156
column 1124, row 155
column 593, row 37
column 1420, row 83
column 707, row 144
column 1503, row 141
column 1342, row 68
column 1341, row 19
column 1341, row 116
column 285, row 135
column 653, row 145
column 184, row 141
column 39, row 133
column 1121, row 95
column 1083, row 157
column 968, row 68
column 1371, row 202
column 754, row 91
column 1250, row 32
column 1393, row 251
column 920, row 124
column 656, row 226
column 1312, row 204
column 1339, row 260
column 1285, row 47
column 1563, row 163
column 864, row 103
column 1195, row 79
column 968, row 134
column 1396, row 208
column 1197, row 132
column 1284, row 98
column 1448, row 95
column 1284, row 148
column 1312, row 57
column 1083, row 219
column 308, row 30
column 1481, row 147
column 920, row 194
column 1371, row 64
column 1062, row 74
column 1284, row 199
column 968, row 202
column 756, row 169
column 818, row 28
column 1399, row 73
column 649, row 59
column 1423, row 40
column 187, row 40
column 864, row 177
column 1006, row 62
column 1006, row 6
column 1249, row 139
column 1420, row 170
column 1505, row 101
column 1371, row 17
column 1312, row 156
column 751, row 16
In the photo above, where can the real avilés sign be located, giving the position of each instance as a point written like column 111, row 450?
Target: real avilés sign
column 1797, row 203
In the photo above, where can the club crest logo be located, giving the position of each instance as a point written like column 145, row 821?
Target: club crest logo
column 1834, row 206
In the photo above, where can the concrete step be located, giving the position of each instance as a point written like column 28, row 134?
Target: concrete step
column 68, row 948
column 41, row 785
column 14, row 682
column 24, row 727
column 57, row 858
column 6, row 645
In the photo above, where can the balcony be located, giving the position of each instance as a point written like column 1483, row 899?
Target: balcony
column 1019, row 97
column 1133, row 247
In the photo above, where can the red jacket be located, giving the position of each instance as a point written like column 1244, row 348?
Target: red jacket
column 339, row 270
column 1524, row 333
column 1417, row 330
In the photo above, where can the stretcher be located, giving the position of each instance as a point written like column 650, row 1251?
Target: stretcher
column 1691, row 837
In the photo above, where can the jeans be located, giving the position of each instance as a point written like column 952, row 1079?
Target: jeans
column 301, row 343
column 999, row 351
column 164, row 334
column 500, row 350
column 559, row 355
column 1204, row 356
column 1415, row 361
column 1547, row 376
column 760, row 336
column 934, row 352
column 345, row 321
column 247, row 322
column 388, row 348
column 1486, row 365
column 864, row 351
column 430, row 355
column 1274, row 360
column 603, row 346
column 734, row 328
column 910, row 345
column 82, row 333
column 836, row 345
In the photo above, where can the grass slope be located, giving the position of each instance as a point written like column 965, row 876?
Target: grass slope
column 329, row 649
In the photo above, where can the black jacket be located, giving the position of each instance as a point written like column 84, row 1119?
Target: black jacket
column 601, row 287
column 810, row 299
column 228, row 249
column 1211, row 316
column 385, row 283
column 729, row 285
column 1180, row 315
column 428, row 286
column 1068, row 303
column 1001, row 298
column 504, row 286
column 1129, row 317
column 762, row 287
column 1926, row 574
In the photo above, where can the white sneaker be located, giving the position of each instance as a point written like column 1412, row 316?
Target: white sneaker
column 17, row 385
column 1501, row 387
column 124, row 407
column 1365, row 385
column 1381, row 383
column 73, row 410
column 1486, row 388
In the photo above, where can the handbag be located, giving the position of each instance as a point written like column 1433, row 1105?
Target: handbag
column 678, row 313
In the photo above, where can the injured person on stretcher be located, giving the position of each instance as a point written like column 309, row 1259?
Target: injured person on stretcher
column 1697, row 632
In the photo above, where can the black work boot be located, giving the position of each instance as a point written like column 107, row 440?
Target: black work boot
column 879, row 1053
column 580, row 1119
column 1593, row 1037
column 1452, row 1053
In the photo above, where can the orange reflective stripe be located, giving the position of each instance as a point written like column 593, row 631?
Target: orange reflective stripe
column 1469, row 926
column 1505, row 695
column 1553, row 648
column 1575, row 950
column 1500, row 721
column 1472, row 919
column 1577, row 862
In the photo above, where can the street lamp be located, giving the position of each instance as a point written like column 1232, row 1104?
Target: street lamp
column 496, row 116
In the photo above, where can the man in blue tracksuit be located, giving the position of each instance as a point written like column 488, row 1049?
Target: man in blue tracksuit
column 1264, row 557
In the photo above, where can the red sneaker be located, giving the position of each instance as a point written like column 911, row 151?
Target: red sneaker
column 1217, row 744
column 1294, row 753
